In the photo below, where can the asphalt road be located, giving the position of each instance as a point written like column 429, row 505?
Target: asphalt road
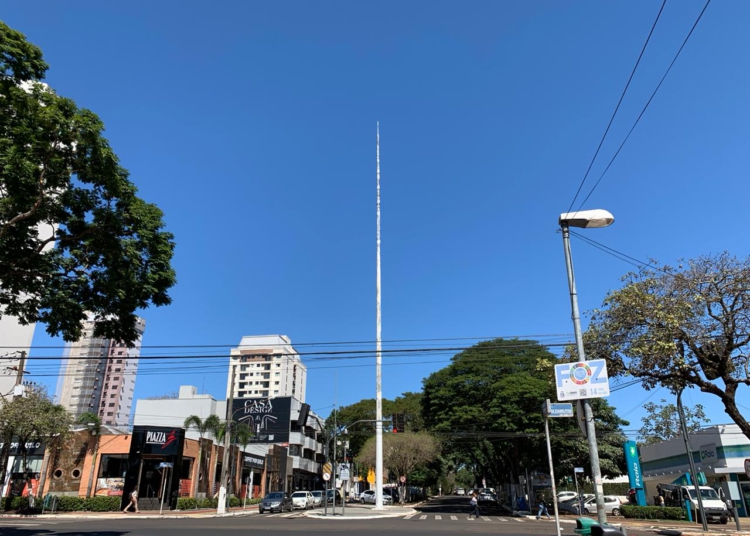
column 446, row 515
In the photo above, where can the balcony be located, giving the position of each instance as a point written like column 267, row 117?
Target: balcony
column 305, row 465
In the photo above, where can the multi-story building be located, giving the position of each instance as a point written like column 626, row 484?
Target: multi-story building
column 98, row 376
column 266, row 366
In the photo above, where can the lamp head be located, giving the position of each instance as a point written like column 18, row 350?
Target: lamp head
column 587, row 219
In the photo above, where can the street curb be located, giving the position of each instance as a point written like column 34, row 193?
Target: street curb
column 364, row 517
column 132, row 516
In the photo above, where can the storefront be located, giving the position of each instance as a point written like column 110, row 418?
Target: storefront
column 719, row 452
column 154, row 465
column 18, row 478
column 252, row 474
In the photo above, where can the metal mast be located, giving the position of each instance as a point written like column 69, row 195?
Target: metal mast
column 378, row 347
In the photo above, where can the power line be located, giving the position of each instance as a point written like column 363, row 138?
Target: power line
column 647, row 103
column 624, row 91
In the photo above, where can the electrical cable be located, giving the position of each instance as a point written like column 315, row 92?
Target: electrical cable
column 622, row 96
column 643, row 111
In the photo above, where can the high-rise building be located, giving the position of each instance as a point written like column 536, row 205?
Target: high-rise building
column 266, row 366
column 98, row 376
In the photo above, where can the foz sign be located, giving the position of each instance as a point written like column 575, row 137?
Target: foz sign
column 584, row 379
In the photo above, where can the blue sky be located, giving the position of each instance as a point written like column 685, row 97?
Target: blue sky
column 252, row 125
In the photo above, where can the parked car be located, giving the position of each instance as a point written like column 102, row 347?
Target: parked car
column 339, row 498
column 611, row 505
column 368, row 497
column 275, row 500
column 318, row 497
column 392, row 492
column 460, row 491
column 566, row 496
column 487, row 494
column 303, row 499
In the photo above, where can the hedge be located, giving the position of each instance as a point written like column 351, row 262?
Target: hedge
column 610, row 488
column 190, row 503
column 652, row 512
column 67, row 503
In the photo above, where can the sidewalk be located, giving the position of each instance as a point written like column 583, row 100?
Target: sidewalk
column 685, row 527
column 144, row 514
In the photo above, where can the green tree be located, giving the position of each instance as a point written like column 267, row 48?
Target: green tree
column 202, row 426
column 680, row 327
column 402, row 453
column 662, row 422
column 93, row 425
column 74, row 236
column 486, row 407
column 33, row 418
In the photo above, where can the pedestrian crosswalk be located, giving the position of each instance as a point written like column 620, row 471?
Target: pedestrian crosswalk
column 464, row 517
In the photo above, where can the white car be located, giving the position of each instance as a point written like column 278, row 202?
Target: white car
column 368, row 497
column 611, row 505
column 566, row 496
column 460, row 491
column 303, row 499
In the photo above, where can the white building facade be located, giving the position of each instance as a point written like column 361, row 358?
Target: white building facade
column 266, row 366
column 98, row 375
column 718, row 451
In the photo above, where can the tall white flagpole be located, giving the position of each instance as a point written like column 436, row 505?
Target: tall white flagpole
column 378, row 347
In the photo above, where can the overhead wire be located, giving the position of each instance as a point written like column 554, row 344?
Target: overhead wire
column 619, row 102
column 648, row 103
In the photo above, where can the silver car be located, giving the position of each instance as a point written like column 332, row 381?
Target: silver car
column 317, row 497
column 611, row 505
column 275, row 500
column 369, row 497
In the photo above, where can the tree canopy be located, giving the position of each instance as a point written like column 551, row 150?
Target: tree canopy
column 662, row 422
column 486, row 408
column 74, row 236
column 679, row 327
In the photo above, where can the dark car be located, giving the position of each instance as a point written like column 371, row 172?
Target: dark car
column 276, row 500
column 339, row 498
column 392, row 492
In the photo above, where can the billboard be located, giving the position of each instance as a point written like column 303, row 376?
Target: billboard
column 268, row 418
column 584, row 379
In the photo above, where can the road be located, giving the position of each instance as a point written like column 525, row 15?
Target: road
column 446, row 515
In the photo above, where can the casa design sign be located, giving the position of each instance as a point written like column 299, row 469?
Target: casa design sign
column 268, row 418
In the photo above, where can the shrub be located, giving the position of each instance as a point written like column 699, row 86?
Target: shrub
column 207, row 503
column 102, row 504
column 234, row 502
column 651, row 512
column 66, row 503
column 187, row 503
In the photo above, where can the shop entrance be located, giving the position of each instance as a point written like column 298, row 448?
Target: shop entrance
column 150, row 479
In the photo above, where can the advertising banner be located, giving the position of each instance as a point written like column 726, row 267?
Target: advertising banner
column 269, row 418
column 635, row 475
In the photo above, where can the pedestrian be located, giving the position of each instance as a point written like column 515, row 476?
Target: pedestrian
column 542, row 509
column 133, row 502
column 474, row 503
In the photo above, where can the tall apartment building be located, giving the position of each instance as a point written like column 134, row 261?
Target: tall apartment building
column 98, row 376
column 266, row 366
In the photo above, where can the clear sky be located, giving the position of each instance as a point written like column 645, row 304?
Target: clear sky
column 252, row 125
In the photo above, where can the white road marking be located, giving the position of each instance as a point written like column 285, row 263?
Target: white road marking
column 422, row 517
column 486, row 518
column 438, row 517
column 454, row 518
column 410, row 516
column 502, row 519
column 519, row 520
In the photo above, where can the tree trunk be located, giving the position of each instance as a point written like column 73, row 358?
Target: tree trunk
column 198, row 468
column 4, row 457
column 93, row 467
column 730, row 408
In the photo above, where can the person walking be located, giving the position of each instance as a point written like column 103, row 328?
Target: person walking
column 542, row 509
column 474, row 503
column 133, row 502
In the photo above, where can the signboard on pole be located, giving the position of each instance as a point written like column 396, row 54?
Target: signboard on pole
column 557, row 409
column 327, row 468
column 584, row 379
column 344, row 471
column 326, row 476
column 578, row 469
column 403, row 479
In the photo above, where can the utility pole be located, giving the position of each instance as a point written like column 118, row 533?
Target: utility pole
column 689, row 451
column 378, row 356
column 21, row 370
column 221, row 507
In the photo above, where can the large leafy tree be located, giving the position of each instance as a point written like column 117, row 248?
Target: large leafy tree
column 680, row 327
column 29, row 419
column 74, row 236
column 486, row 406
column 662, row 422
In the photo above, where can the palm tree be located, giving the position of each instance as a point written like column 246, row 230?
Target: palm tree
column 242, row 436
column 202, row 426
column 94, row 425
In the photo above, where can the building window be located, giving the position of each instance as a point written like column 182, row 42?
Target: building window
column 111, row 405
column 109, row 414
column 276, row 383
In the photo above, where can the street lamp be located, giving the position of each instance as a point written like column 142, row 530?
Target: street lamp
column 587, row 219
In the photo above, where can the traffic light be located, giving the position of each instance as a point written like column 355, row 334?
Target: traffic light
column 399, row 423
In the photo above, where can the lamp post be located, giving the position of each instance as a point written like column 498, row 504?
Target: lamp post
column 221, row 506
column 689, row 451
column 587, row 219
